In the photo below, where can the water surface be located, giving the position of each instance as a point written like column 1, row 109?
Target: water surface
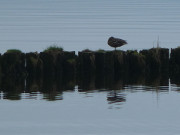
column 88, row 107
column 139, row 107
column 76, row 25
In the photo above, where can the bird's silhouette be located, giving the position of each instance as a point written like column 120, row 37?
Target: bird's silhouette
column 116, row 42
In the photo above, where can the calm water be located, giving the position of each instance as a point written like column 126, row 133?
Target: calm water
column 124, row 109
column 139, row 108
column 76, row 25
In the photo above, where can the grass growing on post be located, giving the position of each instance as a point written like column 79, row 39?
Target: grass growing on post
column 101, row 51
column 13, row 51
column 53, row 48
column 87, row 50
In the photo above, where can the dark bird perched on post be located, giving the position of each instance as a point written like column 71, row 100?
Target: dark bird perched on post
column 116, row 42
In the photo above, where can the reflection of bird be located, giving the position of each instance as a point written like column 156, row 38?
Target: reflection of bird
column 116, row 42
column 114, row 97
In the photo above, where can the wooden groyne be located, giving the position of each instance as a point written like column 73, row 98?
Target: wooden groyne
column 63, row 64
column 50, row 64
column 129, row 62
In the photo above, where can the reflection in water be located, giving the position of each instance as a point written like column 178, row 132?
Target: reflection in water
column 175, row 87
column 12, row 88
column 52, row 89
column 11, row 95
column 119, row 82
column 136, row 88
column 175, row 83
column 115, row 97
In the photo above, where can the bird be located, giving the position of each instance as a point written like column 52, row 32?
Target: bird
column 116, row 42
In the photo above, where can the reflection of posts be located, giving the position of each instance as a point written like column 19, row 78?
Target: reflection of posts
column 12, row 87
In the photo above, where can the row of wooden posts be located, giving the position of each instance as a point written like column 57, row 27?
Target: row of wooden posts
column 58, row 64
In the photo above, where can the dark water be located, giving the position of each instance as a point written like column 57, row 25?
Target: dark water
column 116, row 107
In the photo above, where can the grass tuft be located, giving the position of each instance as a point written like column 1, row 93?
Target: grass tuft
column 53, row 48
column 101, row 50
column 13, row 51
column 87, row 50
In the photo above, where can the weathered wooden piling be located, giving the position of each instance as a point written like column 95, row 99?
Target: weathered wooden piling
column 69, row 64
column 13, row 64
column 104, row 63
column 58, row 63
column 98, row 66
column 135, row 62
column 174, row 65
column 0, row 66
column 109, row 63
column 120, row 62
column 110, row 66
column 175, row 61
column 91, row 69
column 100, row 63
column 100, row 73
column 164, row 58
column 34, row 65
column 157, row 60
column 86, row 63
column 49, row 60
column 61, row 64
